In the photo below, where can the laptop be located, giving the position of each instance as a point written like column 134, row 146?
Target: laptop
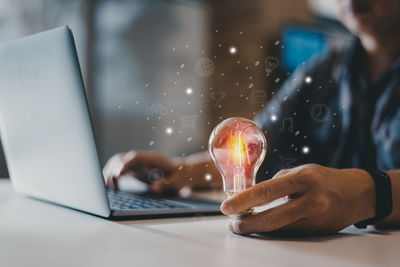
column 48, row 138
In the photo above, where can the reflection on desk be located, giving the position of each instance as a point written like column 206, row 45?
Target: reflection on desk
column 35, row 233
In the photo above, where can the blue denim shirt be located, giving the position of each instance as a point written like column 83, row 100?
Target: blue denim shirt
column 328, row 112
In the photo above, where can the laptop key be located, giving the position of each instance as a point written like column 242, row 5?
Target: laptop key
column 125, row 201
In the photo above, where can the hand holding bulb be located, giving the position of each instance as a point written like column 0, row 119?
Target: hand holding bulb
column 237, row 147
column 314, row 194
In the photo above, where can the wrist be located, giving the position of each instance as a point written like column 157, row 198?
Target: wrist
column 383, row 198
column 367, row 201
column 199, row 169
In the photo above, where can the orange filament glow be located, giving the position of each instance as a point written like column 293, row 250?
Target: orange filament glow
column 237, row 145
column 247, row 150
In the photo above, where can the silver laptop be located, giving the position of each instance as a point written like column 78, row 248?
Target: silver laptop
column 47, row 134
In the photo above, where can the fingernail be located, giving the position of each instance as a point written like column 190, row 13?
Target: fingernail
column 234, row 226
column 117, row 172
column 230, row 226
column 226, row 208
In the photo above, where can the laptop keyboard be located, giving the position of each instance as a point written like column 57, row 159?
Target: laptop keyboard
column 120, row 200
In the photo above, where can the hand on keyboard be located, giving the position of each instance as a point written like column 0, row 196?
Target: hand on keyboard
column 164, row 175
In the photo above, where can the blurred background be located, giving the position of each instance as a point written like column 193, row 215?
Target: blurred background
column 160, row 74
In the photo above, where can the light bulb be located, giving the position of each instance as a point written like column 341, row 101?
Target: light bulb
column 237, row 147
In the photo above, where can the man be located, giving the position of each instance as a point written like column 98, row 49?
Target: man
column 344, row 112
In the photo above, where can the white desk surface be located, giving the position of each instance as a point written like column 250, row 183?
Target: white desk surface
column 34, row 233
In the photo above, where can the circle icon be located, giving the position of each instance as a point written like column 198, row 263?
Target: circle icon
column 154, row 175
column 320, row 112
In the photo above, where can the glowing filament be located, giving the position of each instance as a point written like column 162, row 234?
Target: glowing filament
column 237, row 145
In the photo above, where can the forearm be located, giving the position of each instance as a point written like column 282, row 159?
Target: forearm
column 394, row 219
column 202, row 171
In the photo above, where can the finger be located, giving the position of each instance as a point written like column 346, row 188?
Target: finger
column 109, row 170
column 112, row 183
column 269, row 220
column 126, row 161
column 119, row 165
column 113, row 172
column 111, row 180
column 261, row 194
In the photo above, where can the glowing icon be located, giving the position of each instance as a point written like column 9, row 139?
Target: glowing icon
column 270, row 64
column 237, row 147
column 156, row 110
column 154, row 175
column 320, row 112
column 217, row 97
column 258, row 97
column 204, row 67
column 188, row 122
column 287, row 125
column 287, row 163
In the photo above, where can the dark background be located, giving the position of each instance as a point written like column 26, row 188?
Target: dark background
column 138, row 57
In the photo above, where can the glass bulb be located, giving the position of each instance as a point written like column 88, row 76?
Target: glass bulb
column 237, row 147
